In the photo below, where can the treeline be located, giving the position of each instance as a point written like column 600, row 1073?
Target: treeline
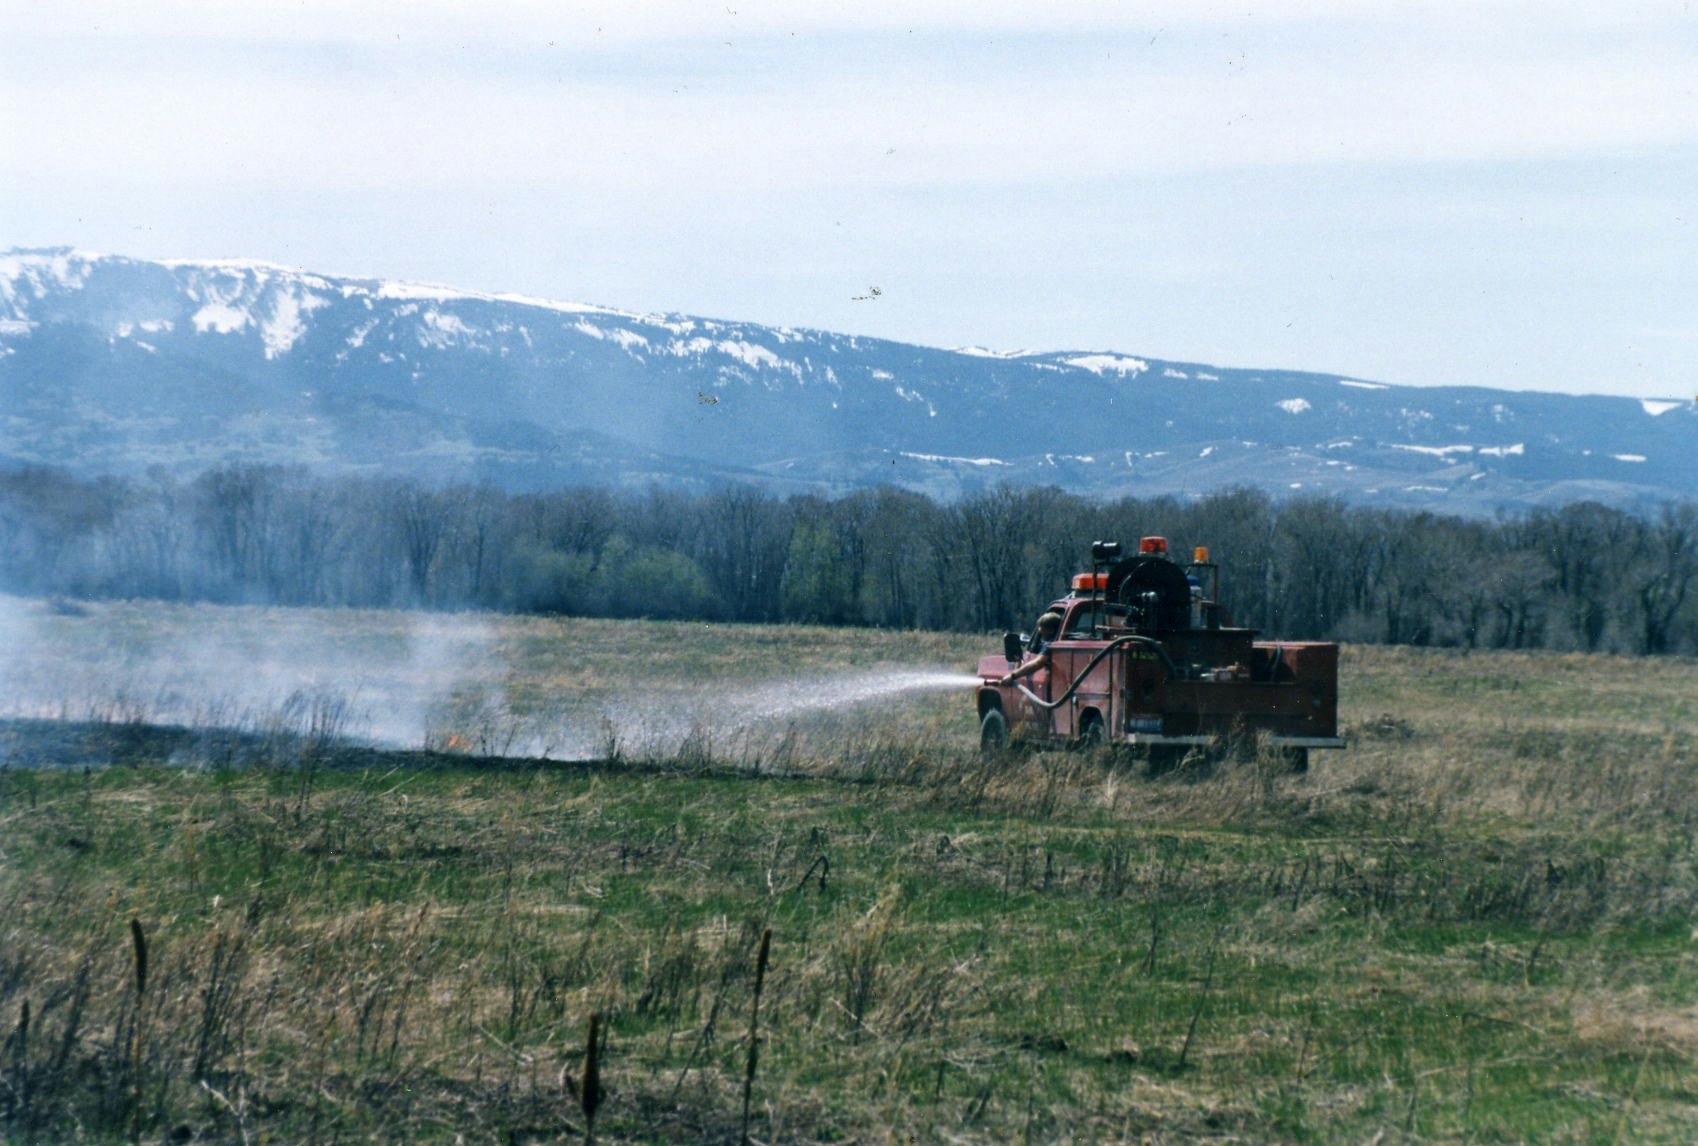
column 1581, row 577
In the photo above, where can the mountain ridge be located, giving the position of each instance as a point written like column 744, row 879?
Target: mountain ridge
column 113, row 364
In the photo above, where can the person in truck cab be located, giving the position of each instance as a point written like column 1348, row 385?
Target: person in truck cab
column 1048, row 626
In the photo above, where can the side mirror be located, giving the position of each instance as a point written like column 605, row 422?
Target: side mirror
column 1012, row 644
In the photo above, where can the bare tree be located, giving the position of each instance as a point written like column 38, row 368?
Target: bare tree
column 1660, row 575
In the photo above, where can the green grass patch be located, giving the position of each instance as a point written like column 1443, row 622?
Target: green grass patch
column 1475, row 924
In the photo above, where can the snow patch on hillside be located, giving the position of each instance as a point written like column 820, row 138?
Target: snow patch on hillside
column 442, row 329
column 955, row 461
column 1628, row 457
column 357, row 339
column 1515, row 450
column 748, row 353
column 287, row 324
column 59, row 269
column 432, row 292
column 751, row 355
column 1657, row 408
column 1364, row 385
column 557, row 305
column 242, row 268
column 1106, row 363
column 1436, row 451
column 1294, row 405
column 629, row 339
column 416, row 292
column 981, row 352
column 220, row 318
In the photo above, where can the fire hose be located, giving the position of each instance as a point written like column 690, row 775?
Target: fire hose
column 1079, row 678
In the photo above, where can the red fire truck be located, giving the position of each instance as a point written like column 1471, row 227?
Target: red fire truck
column 1147, row 656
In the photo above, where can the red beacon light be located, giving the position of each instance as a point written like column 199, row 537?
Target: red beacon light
column 1155, row 546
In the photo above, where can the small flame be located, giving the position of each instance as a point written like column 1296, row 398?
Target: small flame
column 455, row 743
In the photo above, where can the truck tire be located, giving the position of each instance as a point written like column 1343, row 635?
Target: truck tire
column 1296, row 760
column 1092, row 734
column 993, row 732
column 1163, row 758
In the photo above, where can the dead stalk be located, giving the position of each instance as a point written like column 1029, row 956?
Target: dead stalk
column 754, row 1030
column 139, row 942
column 589, row 1097
column 1202, row 1000
column 23, row 1058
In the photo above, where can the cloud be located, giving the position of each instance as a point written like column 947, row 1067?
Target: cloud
column 440, row 95
column 578, row 22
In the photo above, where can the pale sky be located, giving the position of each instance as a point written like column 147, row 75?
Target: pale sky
column 1500, row 193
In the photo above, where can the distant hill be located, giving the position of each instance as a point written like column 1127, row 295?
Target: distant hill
column 113, row 365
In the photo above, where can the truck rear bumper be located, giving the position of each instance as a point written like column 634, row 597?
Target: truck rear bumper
column 1156, row 739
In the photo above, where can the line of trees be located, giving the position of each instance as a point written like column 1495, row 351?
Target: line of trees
column 1581, row 577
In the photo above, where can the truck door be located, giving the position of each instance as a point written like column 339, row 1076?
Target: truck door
column 1072, row 652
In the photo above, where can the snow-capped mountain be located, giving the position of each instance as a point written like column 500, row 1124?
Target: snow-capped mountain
column 110, row 364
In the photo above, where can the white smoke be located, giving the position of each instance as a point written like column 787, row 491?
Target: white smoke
column 239, row 668
column 454, row 682
column 17, row 634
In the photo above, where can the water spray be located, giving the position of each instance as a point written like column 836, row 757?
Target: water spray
column 398, row 680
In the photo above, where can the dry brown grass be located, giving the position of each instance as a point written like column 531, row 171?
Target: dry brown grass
column 1475, row 924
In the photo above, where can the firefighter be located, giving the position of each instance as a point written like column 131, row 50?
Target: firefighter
column 1048, row 626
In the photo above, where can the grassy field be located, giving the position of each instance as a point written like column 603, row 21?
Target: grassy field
column 1476, row 924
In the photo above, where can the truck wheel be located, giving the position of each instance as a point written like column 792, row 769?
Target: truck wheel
column 1163, row 758
column 993, row 732
column 1296, row 760
column 1091, row 733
